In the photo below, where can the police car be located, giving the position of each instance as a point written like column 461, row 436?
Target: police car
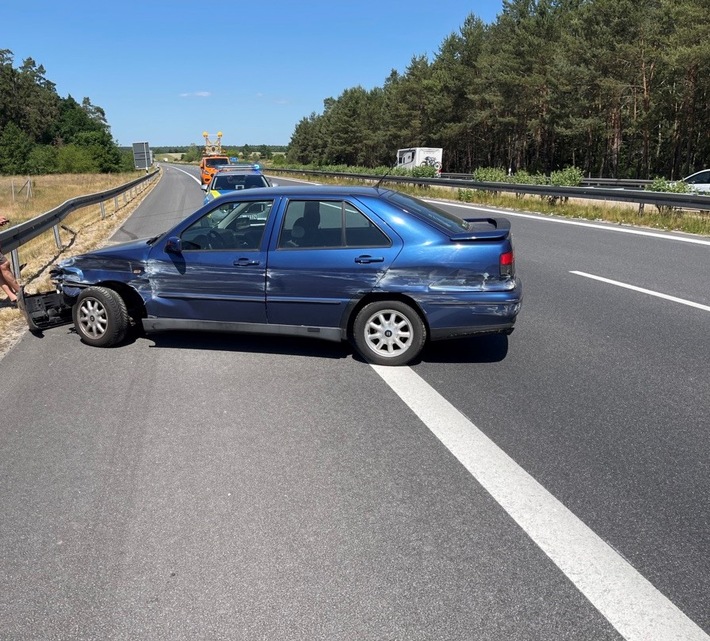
column 233, row 178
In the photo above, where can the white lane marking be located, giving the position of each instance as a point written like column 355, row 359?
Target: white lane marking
column 650, row 292
column 637, row 610
column 561, row 221
column 197, row 180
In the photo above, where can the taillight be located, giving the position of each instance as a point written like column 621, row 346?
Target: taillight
column 507, row 264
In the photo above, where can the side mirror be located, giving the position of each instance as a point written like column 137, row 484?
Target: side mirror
column 204, row 187
column 173, row 245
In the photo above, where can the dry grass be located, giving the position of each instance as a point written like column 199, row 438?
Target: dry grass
column 85, row 229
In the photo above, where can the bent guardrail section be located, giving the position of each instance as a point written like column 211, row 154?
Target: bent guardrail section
column 13, row 238
column 660, row 199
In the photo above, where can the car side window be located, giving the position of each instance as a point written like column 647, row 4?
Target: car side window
column 360, row 231
column 328, row 224
column 701, row 178
column 229, row 226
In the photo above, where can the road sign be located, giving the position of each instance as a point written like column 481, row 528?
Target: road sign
column 142, row 157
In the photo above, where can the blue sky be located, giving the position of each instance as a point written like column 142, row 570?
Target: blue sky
column 165, row 71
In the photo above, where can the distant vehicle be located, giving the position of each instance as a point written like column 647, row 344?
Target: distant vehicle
column 212, row 157
column 699, row 181
column 232, row 178
column 420, row 157
column 208, row 167
column 374, row 266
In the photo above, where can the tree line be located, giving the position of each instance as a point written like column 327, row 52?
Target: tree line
column 43, row 133
column 193, row 152
column 616, row 88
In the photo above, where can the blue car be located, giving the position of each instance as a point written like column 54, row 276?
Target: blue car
column 373, row 266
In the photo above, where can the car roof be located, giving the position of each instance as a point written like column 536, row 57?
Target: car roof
column 243, row 171
column 312, row 191
column 696, row 173
column 236, row 166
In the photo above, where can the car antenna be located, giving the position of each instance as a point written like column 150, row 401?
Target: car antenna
column 387, row 173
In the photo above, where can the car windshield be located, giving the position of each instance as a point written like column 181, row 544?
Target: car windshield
column 214, row 162
column 429, row 212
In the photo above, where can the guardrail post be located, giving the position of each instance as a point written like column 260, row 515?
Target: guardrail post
column 641, row 208
column 103, row 210
column 15, row 255
column 115, row 203
column 57, row 237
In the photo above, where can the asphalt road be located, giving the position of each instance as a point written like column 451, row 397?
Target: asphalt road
column 553, row 485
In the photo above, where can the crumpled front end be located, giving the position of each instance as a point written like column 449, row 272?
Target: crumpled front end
column 45, row 309
column 49, row 309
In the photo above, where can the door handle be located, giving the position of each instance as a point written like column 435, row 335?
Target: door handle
column 365, row 259
column 245, row 262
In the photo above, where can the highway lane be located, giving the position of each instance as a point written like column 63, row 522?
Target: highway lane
column 221, row 487
column 607, row 392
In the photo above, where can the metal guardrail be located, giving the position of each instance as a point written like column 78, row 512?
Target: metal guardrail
column 660, row 199
column 626, row 183
column 13, row 238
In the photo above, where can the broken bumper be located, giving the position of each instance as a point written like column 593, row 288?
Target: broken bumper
column 44, row 310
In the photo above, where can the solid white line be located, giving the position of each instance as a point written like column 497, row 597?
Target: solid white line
column 562, row 221
column 650, row 292
column 637, row 610
column 197, row 180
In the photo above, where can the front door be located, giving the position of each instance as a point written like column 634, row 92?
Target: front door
column 219, row 271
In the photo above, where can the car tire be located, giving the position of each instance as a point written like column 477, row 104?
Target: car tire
column 389, row 333
column 100, row 317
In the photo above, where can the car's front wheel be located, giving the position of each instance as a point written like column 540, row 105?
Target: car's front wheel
column 100, row 317
column 389, row 333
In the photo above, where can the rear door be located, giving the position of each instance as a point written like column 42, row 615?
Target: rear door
column 312, row 275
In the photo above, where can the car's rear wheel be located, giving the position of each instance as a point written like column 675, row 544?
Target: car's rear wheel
column 100, row 317
column 389, row 333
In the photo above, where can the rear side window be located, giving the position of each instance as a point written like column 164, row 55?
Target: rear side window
column 328, row 224
column 429, row 212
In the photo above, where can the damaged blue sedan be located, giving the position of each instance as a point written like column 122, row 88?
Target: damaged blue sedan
column 372, row 266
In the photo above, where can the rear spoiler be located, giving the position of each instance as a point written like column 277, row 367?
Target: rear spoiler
column 484, row 229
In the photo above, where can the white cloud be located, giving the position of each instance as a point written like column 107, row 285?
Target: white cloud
column 198, row 94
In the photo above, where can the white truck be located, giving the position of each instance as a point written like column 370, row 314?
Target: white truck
column 420, row 157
